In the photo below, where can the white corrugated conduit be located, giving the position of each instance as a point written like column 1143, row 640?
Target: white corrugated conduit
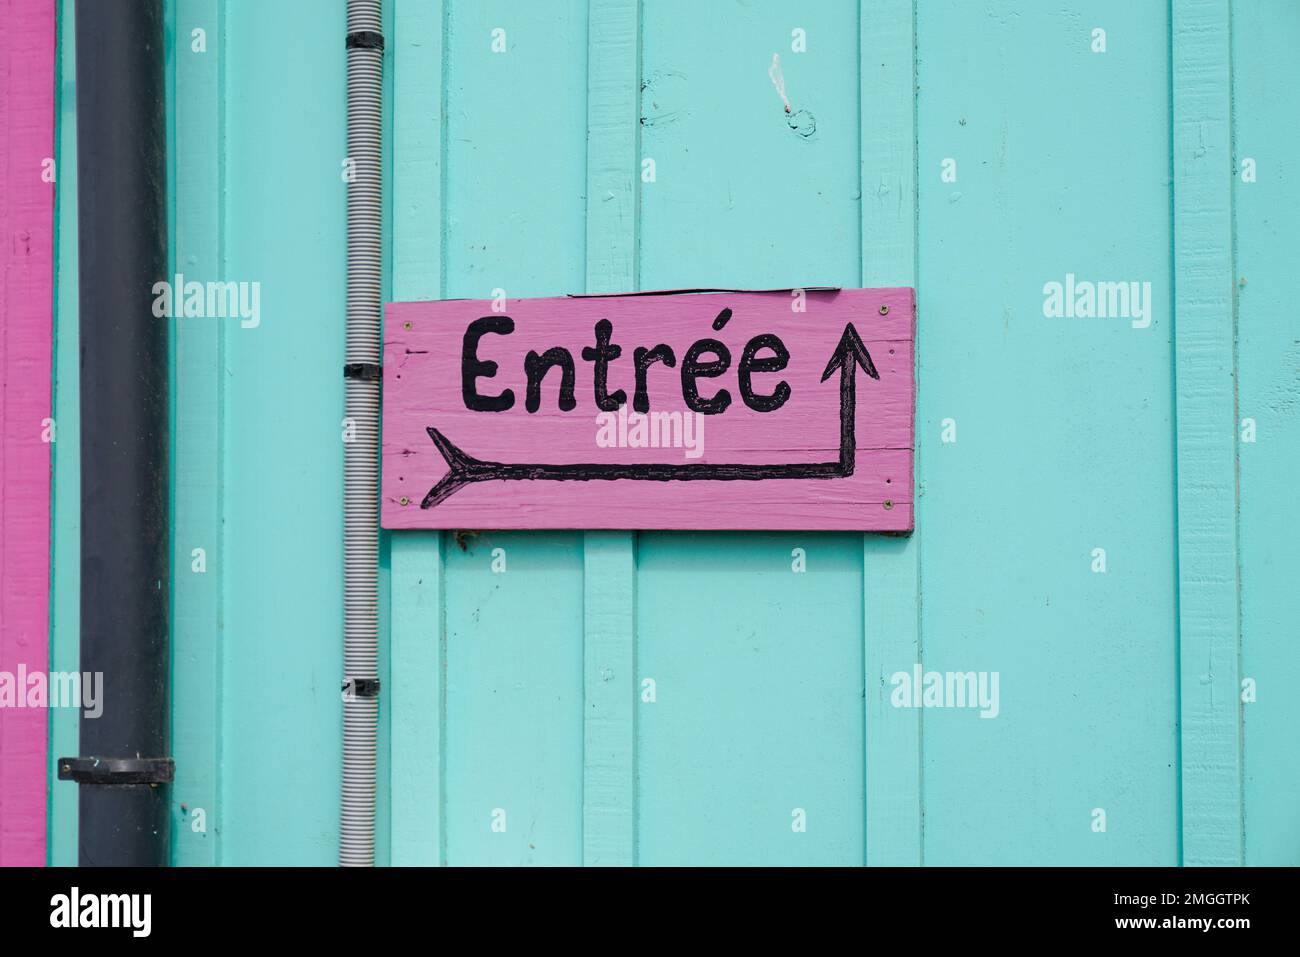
column 365, row 52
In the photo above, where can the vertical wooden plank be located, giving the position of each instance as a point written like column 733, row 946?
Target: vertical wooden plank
column 1205, row 397
column 1266, row 216
column 891, row 566
column 613, row 69
column 414, row 697
column 27, row 85
column 609, row 558
column 65, row 604
column 282, row 465
column 513, row 220
column 1062, row 435
column 384, row 584
column 753, row 751
column 196, row 627
column 609, row 569
column 417, row 148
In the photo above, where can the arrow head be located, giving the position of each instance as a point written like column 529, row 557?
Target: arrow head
column 457, row 460
column 460, row 469
column 849, row 351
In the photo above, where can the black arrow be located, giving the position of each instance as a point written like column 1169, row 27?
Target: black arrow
column 849, row 354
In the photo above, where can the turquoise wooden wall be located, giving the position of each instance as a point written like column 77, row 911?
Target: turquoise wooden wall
column 522, row 692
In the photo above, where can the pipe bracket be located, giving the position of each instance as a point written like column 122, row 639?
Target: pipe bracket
column 361, row 688
column 365, row 40
column 117, row 771
column 363, row 371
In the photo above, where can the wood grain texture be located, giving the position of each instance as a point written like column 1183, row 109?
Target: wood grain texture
column 1205, row 396
column 891, row 566
column 27, row 61
column 609, row 558
column 423, row 389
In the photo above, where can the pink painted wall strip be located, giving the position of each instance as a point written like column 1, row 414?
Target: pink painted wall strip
column 785, row 409
column 27, row 60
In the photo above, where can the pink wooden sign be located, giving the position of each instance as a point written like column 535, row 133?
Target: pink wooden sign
column 27, row 84
column 699, row 410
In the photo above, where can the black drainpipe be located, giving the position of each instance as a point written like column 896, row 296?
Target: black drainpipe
column 125, row 767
